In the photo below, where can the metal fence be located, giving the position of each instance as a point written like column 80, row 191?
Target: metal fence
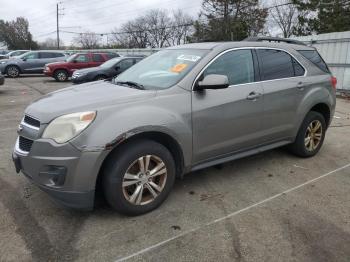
column 335, row 50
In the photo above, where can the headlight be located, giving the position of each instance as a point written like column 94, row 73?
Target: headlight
column 66, row 127
column 2, row 62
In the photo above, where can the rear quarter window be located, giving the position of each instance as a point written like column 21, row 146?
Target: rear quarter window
column 315, row 58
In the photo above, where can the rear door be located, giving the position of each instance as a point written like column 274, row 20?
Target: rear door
column 282, row 79
column 97, row 59
column 228, row 120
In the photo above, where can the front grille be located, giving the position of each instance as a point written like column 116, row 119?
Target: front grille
column 31, row 121
column 25, row 144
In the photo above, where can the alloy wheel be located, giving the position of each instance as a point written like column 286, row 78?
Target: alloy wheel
column 12, row 71
column 144, row 180
column 61, row 76
column 313, row 135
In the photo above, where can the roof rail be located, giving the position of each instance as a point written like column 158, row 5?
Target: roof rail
column 273, row 39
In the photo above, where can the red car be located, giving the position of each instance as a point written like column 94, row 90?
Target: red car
column 62, row 70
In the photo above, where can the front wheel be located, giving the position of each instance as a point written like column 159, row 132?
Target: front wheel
column 12, row 71
column 139, row 176
column 61, row 75
column 310, row 136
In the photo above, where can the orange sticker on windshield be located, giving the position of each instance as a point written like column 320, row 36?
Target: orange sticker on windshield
column 178, row 68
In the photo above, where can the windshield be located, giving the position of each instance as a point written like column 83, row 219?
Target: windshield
column 162, row 69
column 71, row 58
column 110, row 63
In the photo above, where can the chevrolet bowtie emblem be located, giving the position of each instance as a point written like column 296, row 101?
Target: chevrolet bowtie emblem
column 20, row 128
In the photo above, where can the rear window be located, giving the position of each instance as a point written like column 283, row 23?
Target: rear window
column 97, row 58
column 315, row 58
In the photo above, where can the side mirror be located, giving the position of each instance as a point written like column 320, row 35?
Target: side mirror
column 24, row 59
column 117, row 68
column 213, row 81
column 75, row 61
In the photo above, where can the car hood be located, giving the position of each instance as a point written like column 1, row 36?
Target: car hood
column 12, row 60
column 88, row 70
column 84, row 97
column 59, row 63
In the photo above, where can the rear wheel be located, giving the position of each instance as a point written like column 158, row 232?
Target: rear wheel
column 12, row 71
column 310, row 136
column 138, row 177
column 61, row 75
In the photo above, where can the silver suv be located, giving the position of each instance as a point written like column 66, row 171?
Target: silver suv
column 182, row 109
column 32, row 62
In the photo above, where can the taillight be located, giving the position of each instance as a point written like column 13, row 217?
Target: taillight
column 334, row 82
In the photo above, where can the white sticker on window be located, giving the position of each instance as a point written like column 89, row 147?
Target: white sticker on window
column 192, row 58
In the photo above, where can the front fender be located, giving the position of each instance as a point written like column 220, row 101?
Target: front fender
column 164, row 115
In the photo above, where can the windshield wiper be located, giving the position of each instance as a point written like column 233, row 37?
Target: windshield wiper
column 131, row 84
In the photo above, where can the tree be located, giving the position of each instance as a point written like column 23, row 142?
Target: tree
column 223, row 20
column 15, row 34
column 322, row 16
column 182, row 27
column 88, row 40
column 284, row 16
column 50, row 43
column 156, row 28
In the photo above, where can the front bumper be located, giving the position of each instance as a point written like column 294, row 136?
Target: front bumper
column 67, row 174
column 78, row 79
column 47, row 72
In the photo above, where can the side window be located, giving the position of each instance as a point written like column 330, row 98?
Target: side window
column 97, row 58
column 82, row 58
column 32, row 55
column 46, row 55
column 315, row 58
column 276, row 64
column 112, row 55
column 298, row 69
column 125, row 64
column 237, row 65
column 54, row 55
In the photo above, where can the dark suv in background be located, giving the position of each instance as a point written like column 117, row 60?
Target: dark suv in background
column 32, row 62
column 61, row 71
column 107, row 70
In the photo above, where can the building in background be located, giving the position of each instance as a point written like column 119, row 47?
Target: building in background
column 335, row 50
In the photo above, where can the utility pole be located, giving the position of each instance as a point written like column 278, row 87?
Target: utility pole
column 58, row 9
column 57, row 29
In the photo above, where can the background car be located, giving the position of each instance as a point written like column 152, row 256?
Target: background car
column 107, row 70
column 61, row 71
column 16, row 53
column 32, row 62
column 3, row 54
column 2, row 79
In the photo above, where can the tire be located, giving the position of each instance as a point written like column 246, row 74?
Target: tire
column 12, row 71
column 121, row 191
column 301, row 147
column 100, row 77
column 61, row 75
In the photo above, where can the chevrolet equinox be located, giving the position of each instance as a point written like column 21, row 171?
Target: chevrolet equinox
column 181, row 109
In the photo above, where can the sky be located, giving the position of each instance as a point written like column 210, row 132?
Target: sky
column 100, row 16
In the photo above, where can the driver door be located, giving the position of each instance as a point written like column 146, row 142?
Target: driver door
column 31, row 63
column 228, row 120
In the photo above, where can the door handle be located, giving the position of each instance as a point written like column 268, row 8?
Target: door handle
column 300, row 86
column 254, row 96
